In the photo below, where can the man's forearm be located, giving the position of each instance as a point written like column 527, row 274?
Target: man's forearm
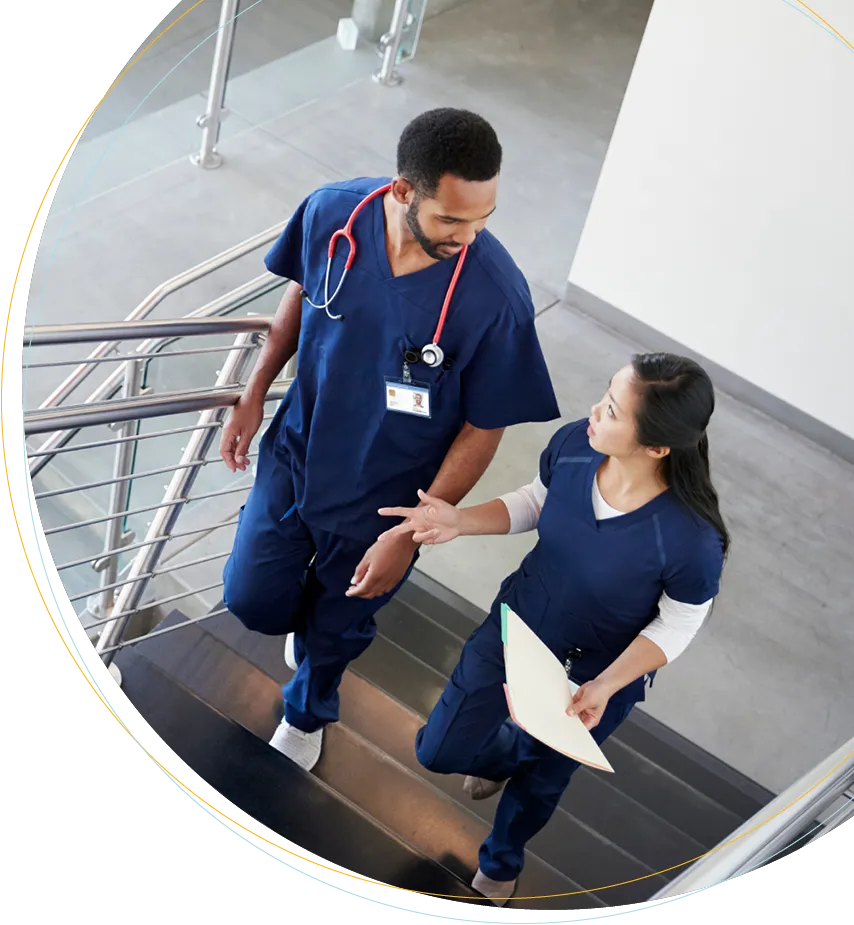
column 466, row 461
column 280, row 345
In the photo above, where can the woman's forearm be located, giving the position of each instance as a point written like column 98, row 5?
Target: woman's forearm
column 641, row 657
column 490, row 519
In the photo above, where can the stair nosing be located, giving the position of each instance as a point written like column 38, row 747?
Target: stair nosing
column 612, row 845
column 384, row 756
column 360, row 811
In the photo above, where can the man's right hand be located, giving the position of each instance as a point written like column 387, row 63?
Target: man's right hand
column 237, row 433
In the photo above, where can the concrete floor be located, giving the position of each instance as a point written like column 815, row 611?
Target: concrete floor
column 765, row 685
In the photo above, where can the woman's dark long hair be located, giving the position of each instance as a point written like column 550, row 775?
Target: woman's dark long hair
column 677, row 399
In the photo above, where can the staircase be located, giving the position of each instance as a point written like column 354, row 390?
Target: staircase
column 212, row 692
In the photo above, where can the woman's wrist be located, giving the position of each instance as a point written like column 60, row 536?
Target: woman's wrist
column 466, row 524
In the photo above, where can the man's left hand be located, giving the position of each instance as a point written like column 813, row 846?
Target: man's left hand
column 382, row 567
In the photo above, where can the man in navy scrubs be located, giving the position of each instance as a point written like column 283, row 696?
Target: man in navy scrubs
column 369, row 421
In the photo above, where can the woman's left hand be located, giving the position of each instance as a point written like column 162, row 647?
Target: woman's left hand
column 589, row 703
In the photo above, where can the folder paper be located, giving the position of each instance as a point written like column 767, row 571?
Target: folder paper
column 539, row 693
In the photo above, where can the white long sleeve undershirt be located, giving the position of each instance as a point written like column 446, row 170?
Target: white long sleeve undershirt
column 676, row 623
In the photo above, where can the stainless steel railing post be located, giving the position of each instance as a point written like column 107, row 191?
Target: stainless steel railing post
column 163, row 522
column 390, row 42
column 210, row 122
column 120, row 493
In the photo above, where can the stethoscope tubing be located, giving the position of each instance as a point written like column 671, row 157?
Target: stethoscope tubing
column 347, row 233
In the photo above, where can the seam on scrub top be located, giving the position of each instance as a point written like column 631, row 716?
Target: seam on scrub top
column 289, row 511
column 573, row 459
column 659, row 539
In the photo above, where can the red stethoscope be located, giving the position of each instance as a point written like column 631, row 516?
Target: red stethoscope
column 432, row 354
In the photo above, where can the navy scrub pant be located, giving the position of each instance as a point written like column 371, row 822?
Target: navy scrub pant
column 285, row 576
column 469, row 732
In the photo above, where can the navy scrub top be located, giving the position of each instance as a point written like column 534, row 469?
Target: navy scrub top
column 349, row 456
column 595, row 585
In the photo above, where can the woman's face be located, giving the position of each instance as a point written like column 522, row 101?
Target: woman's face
column 612, row 419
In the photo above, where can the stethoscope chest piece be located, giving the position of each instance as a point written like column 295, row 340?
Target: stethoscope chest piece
column 432, row 355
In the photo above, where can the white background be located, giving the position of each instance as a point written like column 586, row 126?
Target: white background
column 723, row 215
column 92, row 827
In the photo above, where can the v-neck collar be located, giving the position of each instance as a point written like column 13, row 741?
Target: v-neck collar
column 644, row 512
column 438, row 269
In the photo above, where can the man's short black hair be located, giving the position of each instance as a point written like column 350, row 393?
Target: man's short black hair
column 443, row 141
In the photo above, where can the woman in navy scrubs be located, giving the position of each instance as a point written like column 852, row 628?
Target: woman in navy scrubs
column 629, row 558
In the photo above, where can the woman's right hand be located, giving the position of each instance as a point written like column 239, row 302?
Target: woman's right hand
column 433, row 522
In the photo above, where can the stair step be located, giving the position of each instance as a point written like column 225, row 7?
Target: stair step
column 694, row 765
column 639, row 780
column 669, row 797
column 567, row 843
column 272, row 789
column 414, row 632
column 402, row 802
column 428, row 597
column 642, row 733
column 418, row 680
column 676, row 821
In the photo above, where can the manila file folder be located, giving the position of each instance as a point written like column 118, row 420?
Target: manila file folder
column 539, row 693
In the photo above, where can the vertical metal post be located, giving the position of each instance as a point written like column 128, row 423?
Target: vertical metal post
column 210, row 122
column 120, row 493
column 163, row 523
column 390, row 42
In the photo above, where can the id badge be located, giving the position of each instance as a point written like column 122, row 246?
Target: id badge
column 407, row 397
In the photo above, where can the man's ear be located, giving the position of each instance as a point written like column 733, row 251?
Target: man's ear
column 403, row 191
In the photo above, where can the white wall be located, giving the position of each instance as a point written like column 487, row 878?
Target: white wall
column 724, row 215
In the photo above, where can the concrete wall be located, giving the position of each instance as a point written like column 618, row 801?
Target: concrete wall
column 722, row 217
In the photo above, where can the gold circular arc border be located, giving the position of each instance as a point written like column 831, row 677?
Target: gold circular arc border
column 183, row 786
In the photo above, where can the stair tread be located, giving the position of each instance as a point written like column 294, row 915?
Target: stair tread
column 414, row 632
column 418, row 686
column 684, row 759
column 428, row 597
column 641, row 732
column 567, row 841
column 438, row 827
column 698, row 789
column 254, row 777
column 685, row 821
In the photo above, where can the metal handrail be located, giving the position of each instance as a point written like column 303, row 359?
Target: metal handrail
column 155, row 297
column 112, row 385
column 773, row 828
column 133, row 409
column 50, row 335
column 122, row 358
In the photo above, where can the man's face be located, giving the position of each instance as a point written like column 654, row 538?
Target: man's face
column 452, row 217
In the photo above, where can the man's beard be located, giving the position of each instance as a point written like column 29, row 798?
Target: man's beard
column 430, row 247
